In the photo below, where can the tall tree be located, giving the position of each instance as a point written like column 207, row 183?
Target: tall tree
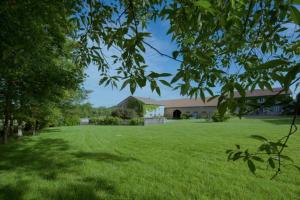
column 36, row 57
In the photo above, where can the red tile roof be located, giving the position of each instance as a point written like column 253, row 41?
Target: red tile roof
column 180, row 103
column 199, row 103
column 148, row 101
column 188, row 103
column 261, row 93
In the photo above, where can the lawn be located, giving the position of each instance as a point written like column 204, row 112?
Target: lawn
column 179, row 160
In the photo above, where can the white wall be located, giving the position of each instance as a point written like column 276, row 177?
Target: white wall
column 158, row 112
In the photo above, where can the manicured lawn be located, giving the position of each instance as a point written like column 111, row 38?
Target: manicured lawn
column 179, row 160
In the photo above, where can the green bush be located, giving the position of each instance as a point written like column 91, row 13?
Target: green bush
column 106, row 121
column 71, row 120
column 136, row 121
column 116, row 121
column 186, row 116
column 124, row 113
column 112, row 121
column 117, row 113
column 217, row 117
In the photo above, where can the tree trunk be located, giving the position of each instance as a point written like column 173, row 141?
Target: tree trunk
column 34, row 128
column 7, row 112
column 20, row 132
column 11, row 126
column 5, row 129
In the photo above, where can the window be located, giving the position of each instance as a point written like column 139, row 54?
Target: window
column 276, row 109
column 195, row 114
column 261, row 100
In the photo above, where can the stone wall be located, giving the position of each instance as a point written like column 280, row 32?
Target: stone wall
column 149, row 121
column 197, row 112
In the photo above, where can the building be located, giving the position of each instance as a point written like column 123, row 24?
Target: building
column 149, row 107
column 277, row 97
column 196, row 108
column 175, row 108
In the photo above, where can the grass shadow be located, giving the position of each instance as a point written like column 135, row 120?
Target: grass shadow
column 72, row 191
column 50, row 130
column 104, row 156
column 47, row 158
column 14, row 192
column 35, row 156
column 276, row 120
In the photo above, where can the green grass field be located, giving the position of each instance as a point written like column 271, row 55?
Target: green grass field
column 179, row 160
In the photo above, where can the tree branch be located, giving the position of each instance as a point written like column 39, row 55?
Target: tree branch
column 144, row 42
column 160, row 53
column 293, row 129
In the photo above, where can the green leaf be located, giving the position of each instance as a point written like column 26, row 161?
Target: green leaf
column 213, row 97
column 202, row 3
column 103, row 80
column 153, row 85
column 132, row 87
column 257, row 158
column 125, row 84
column 271, row 162
column 164, row 74
column 157, row 90
column 202, row 95
column 229, row 151
column 236, row 156
column 240, row 89
column 251, row 166
column 258, row 137
column 286, row 158
column 177, row 77
column 297, row 167
column 295, row 14
column 157, row 75
column 141, row 82
column 175, row 54
column 165, row 83
column 222, row 108
column 205, row 5
column 211, row 93
column 232, row 3
column 273, row 63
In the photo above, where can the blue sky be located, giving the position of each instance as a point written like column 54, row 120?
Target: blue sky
column 106, row 96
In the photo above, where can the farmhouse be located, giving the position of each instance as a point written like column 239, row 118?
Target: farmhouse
column 175, row 108
column 149, row 107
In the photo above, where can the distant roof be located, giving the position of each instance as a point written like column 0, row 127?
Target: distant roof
column 148, row 101
column 261, row 93
column 189, row 103
column 180, row 103
column 214, row 102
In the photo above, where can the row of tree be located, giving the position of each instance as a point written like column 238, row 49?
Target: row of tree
column 38, row 75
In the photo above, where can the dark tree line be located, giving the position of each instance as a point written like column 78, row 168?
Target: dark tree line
column 37, row 68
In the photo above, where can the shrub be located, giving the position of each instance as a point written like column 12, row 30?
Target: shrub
column 116, row 121
column 106, row 121
column 136, row 121
column 217, row 117
column 112, row 121
column 117, row 113
column 186, row 116
column 124, row 113
column 71, row 120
